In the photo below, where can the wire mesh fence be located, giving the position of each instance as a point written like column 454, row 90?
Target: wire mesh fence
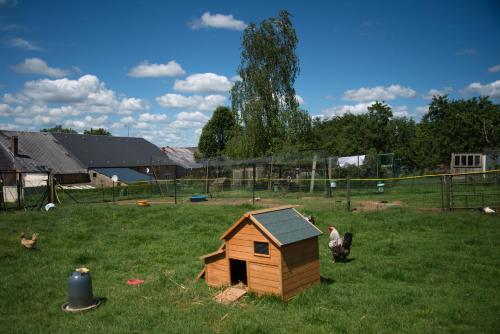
column 444, row 191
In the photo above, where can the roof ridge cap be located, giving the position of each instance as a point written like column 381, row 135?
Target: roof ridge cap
column 276, row 208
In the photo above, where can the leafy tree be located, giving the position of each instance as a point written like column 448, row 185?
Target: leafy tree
column 377, row 131
column 217, row 132
column 456, row 126
column 380, row 131
column 265, row 96
column 58, row 129
column 97, row 132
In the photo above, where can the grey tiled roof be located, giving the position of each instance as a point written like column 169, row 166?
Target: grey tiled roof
column 38, row 151
column 182, row 156
column 104, row 151
column 287, row 225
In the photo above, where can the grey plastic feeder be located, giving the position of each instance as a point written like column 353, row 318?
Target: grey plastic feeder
column 80, row 295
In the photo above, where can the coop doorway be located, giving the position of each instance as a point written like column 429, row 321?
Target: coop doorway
column 238, row 271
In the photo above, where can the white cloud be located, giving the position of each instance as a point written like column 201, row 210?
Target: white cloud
column 67, row 91
column 20, row 43
column 391, row 92
column 494, row 69
column 219, row 21
column 133, row 104
column 87, row 94
column 492, row 89
column 466, row 52
column 37, row 120
column 437, row 92
column 195, row 102
column 147, row 117
column 300, row 100
column 9, row 126
column 357, row 109
column 400, row 111
column 48, row 102
column 422, row 109
column 145, row 69
column 127, row 120
column 362, row 108
column 189, row 120
column 87, row 122
column 203, row 83
column 145, row 120
column 38, row 66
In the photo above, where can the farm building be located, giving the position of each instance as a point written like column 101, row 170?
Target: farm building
column 27, row 159
column 184, row 158
column 102, row 155
column 125, row 176
column 272, row 251
column 474, row 162
column 41, row 149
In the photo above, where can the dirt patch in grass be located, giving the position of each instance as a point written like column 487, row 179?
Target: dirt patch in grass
column 210, row 201
column 376, row 205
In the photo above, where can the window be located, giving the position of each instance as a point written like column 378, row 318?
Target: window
column 261, row 248
column 476, row 160
column 457, row 160
column 470, row 160
column 464, row 160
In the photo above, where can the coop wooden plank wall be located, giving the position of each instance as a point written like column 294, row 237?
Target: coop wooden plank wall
column 217, row 270
column 264, row 272
column 240, row 245
column 300, row 266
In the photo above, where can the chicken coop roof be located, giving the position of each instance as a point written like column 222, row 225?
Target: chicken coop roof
column 287, row 225
column 284, row 225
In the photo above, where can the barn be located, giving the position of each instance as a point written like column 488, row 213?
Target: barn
column 271, row 251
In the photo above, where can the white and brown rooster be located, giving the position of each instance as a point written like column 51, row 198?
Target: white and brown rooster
column 340, row 246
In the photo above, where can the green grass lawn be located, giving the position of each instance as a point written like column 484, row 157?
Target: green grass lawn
column 411, row 271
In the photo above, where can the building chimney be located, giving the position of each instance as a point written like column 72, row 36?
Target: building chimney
column 14, row 146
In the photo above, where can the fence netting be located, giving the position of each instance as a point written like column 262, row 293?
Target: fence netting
column 444, row 191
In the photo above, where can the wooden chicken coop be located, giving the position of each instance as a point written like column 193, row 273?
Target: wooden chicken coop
column 271, row 251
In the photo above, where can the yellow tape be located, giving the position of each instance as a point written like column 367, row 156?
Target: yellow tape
column 336, row 180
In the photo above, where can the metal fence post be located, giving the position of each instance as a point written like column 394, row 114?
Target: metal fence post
column 253, row 187
column 450, row 192
column 175, row 184
column 348, row 185
column 19, row 191
column 442, row 192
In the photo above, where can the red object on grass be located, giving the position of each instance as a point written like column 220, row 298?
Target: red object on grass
column 135, row 281
column 330, row 229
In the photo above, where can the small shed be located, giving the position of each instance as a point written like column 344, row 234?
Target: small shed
column 272, row 251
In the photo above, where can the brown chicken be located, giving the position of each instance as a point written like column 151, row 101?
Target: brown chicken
column 27, row 242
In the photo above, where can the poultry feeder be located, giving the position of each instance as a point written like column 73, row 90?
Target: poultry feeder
column 380, row 187
column 80, row 297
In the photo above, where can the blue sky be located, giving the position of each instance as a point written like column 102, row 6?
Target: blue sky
column 158, row 69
